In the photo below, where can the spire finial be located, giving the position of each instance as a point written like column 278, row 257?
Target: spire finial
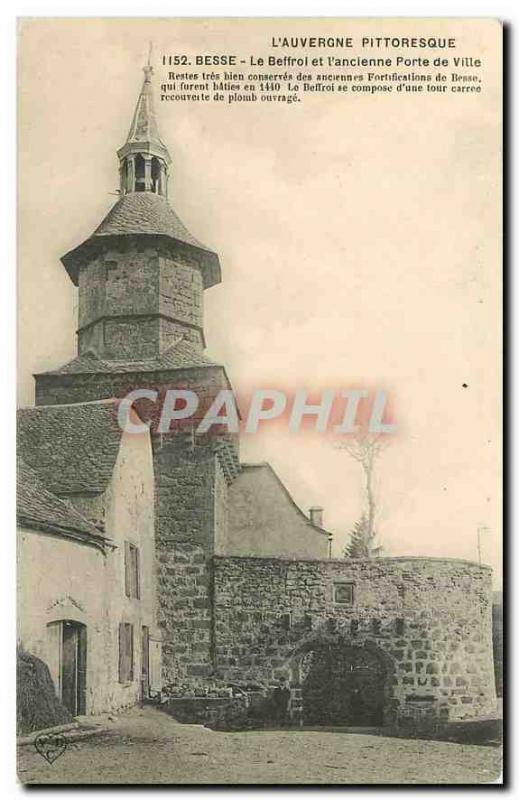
column 148, row 69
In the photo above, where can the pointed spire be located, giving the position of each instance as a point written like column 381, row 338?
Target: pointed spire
column 144, row 126
column 144, row 142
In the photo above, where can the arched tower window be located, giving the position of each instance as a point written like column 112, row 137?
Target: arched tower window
column 143, row 173
column 155, row 175
column 140, row 179
column 127, row 177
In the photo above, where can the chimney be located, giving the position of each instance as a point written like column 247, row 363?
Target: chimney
column 316, row 516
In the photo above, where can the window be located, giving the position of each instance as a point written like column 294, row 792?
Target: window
column 140, row 182
column 343, row 594
column 285, row 621
column 354, row 627
column 400, row 627
column 131, row 570
column 110, row 266
column 375, row 625
column 155, row 175
column 125, row 652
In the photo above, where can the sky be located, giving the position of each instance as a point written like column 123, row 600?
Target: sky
column 360, row 245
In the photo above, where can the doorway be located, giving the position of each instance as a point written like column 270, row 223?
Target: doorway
column 68, row 663
column 145, row 662
column 343, row 686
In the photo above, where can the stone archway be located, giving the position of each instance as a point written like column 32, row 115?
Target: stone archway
column 343, row 683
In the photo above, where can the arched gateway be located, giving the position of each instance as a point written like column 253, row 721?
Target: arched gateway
column 343, row 684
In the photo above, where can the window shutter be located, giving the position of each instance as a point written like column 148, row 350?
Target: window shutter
column 122, row 652
column 125, row 652
column 130, row 652
column 127, row 570
column 137, row 573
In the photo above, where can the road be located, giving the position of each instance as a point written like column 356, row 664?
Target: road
column 147, row 746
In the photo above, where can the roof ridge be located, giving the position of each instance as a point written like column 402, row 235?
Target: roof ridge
column 101, row 401
column 288, row 495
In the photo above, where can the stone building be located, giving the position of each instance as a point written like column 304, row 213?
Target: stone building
column 245, row 591
column 497, row 637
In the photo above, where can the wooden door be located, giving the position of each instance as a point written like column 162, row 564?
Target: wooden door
column 73, row 668
column 82, row 669
column 69, row 665
column 155, row 657
column 145, row 662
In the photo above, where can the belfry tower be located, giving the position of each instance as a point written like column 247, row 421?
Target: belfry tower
column 141, row 277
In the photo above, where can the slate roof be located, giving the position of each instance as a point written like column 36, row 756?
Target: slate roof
column 139, row 213
column 145, row 212
column 181, row 355
column 72, row 448
column 38, row 508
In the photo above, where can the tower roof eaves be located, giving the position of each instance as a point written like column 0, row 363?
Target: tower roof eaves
column 150, row 146
column 144, row 214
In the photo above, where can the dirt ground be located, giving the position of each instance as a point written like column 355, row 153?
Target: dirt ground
column 147, row 746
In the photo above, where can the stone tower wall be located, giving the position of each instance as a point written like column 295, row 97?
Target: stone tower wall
column 430, row 618
column 181, row 294
column 135, row 303
column 191, row 498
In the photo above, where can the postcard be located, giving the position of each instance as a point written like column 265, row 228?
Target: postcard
column 259, row 426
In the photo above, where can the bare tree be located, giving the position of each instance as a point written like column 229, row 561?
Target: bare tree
column 365, row 450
